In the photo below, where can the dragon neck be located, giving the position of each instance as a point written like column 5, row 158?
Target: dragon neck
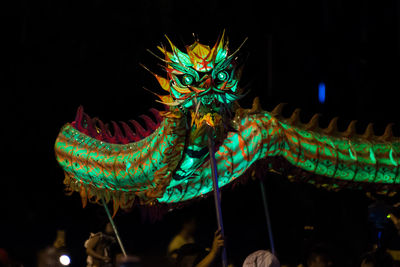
column 196, row 146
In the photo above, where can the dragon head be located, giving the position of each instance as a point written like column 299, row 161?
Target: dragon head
column 202, row 81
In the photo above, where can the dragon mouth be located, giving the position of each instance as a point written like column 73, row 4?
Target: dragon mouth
column 209, row 110
column 211, row 119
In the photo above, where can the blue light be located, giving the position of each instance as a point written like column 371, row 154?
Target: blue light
column 321, row 92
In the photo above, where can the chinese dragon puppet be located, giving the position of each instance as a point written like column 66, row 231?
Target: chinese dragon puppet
column 168, row 160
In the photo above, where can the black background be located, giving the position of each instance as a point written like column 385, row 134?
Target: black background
column 57, row 55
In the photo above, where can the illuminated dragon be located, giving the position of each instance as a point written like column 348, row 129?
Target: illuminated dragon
column 169, row 161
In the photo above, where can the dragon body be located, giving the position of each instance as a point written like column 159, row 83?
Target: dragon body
column 169, row 161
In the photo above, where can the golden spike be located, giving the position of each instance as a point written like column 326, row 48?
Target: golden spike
column 218, row 45
column 148, row 90
column 221, row 40
column 313, row 123
column 151, row 52
column 369, row 132
column 388, row 134
column 237, row 50
column 166, row 53
column 175, row 50
column 277, row 111
column 170, row 43
column 164, row 83
column 295, row 118
column 144, row 67
column 175, row 103
column 162, row 49
column 256, row 106
column 332, row 127
column 351, row 130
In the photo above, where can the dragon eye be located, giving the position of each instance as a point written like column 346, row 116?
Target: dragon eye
column 187, row 79
column 223, row 76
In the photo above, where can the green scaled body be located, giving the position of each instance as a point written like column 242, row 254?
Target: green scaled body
column 170, row 162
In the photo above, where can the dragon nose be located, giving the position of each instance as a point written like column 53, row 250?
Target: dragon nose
column 206, row 83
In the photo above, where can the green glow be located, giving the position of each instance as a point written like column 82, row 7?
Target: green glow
column 94, row 161
column 372, row 155
column 352, row 156
column 171, row 165
column 128, row 165
column 260, row 136
column 221, row 55
column 223, row 76
column 180, row 57
column 392, row 158
column 188, row 79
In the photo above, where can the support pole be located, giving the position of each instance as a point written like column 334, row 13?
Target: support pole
column 113, row 226
column 264, row 197
column 217, row 195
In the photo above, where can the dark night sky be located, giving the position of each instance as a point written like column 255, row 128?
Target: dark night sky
column 58, row 55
